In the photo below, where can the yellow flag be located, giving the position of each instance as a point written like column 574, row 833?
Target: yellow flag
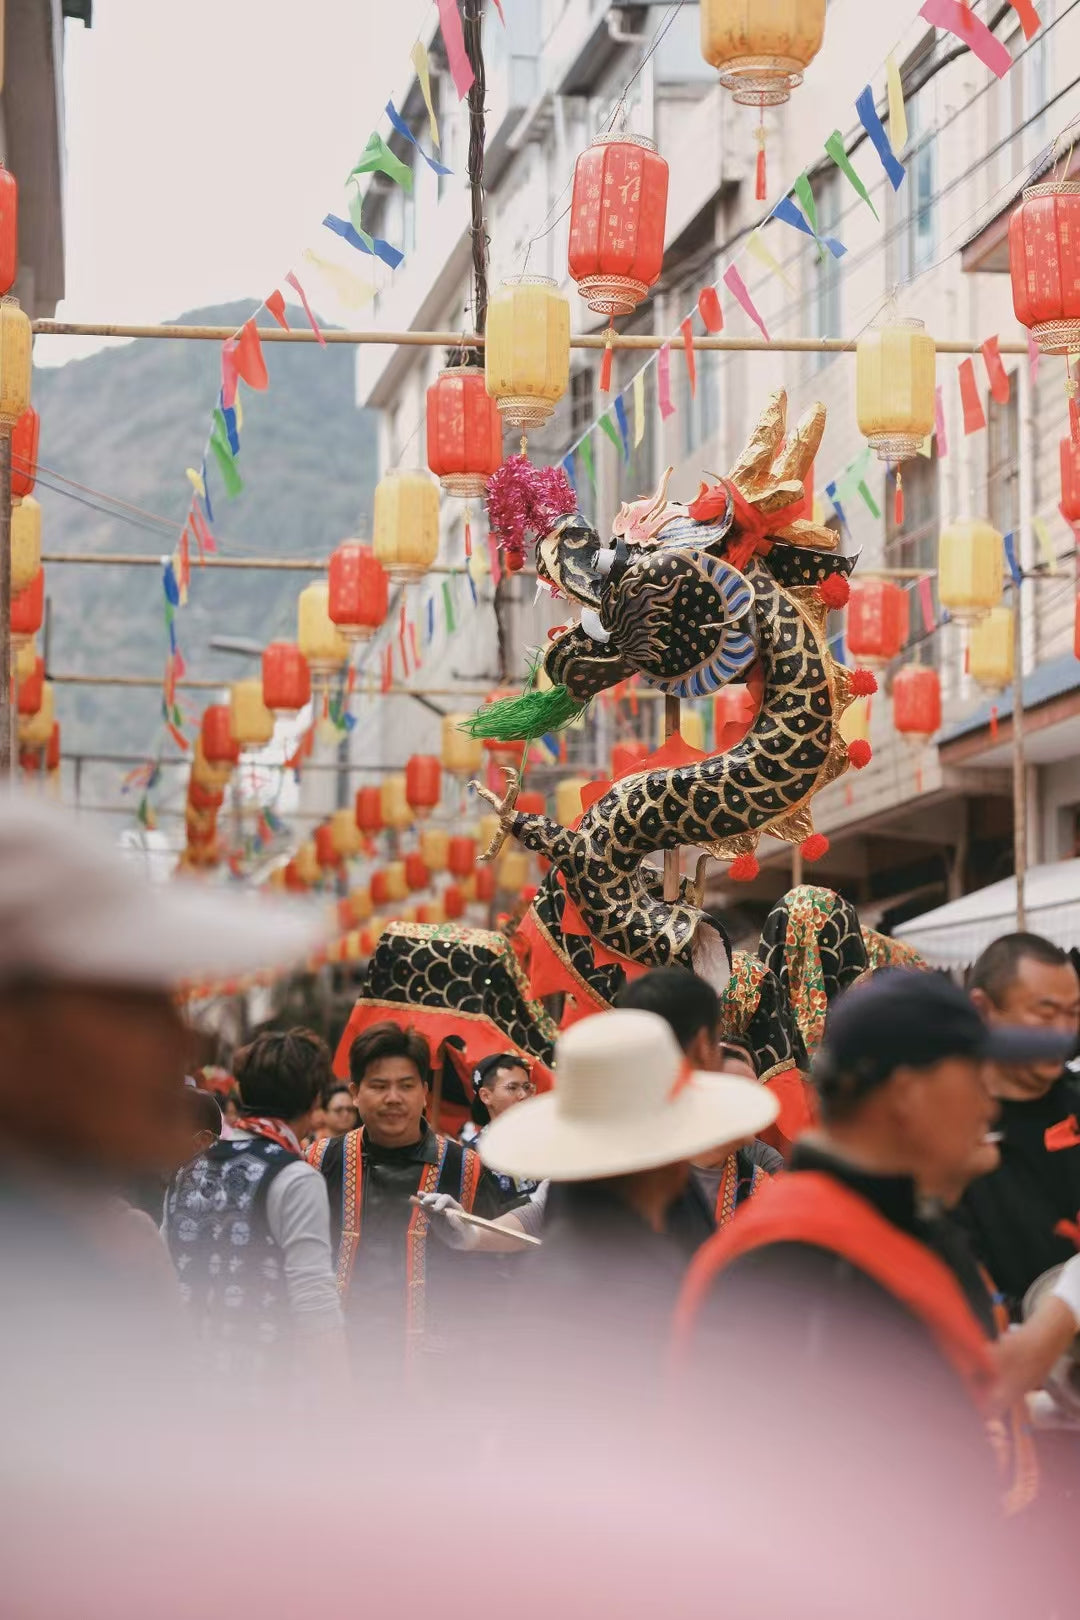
column 478, row 565
column 196, row 481
column 349, row 289
column 419, row 58
column 898, row 131
column 639, row 408
column 239, row 409
column 755, row 246
column 1046, row 544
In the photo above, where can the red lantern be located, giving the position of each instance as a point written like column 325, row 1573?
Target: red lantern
column 24, row 453
column 325, row 853
column 204, row 798
column 369, row 811
column 28, row 606
column 461, row 856
column 453, row 902
column 380, row 889
column 916, row 697
column 485, row 884
column 359, row 596
column 219, row 744
column 617, row 220
column 9, row 230
column 30, row 689
column 531, row 804
column 464, row 431
column 423, row 783
column 293, row 881
column 286, row 678
column 628, row 756
column 1070, row 480
column 1044, row 263
column 417, row 875
column 877, row 621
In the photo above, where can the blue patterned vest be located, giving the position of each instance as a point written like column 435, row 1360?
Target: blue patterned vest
column 231, row 1270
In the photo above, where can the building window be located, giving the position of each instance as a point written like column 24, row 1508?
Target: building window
column 915, row 544
column 828, row 272
column 913, row 224
column 1003, row 461
column 582, row 401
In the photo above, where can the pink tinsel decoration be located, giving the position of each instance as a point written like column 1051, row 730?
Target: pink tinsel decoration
column 523, row 498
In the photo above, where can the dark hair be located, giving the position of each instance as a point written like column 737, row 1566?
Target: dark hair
column 686, row 1002
column 389, row 1041
column 996, row 969
column 282, row 1073
column 203, row 1110
column 483, row 1075
column 329, row 1092
column 741, row 1044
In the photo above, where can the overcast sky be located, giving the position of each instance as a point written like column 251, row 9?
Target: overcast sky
column 206, row 141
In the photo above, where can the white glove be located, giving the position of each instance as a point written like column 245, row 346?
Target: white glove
column 1067, row 1287
column 445, row 1214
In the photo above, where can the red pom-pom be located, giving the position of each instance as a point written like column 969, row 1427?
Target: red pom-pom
column 814, row 847
column 863, row 683
column 834, row 591
column 521, row 497
column 859, row 753
column 744, row 869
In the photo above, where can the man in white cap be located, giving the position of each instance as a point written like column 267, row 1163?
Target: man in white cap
column 90, row 958
column 616, row 1138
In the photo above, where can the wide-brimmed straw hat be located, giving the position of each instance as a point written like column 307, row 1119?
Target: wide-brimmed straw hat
column 625, row 1099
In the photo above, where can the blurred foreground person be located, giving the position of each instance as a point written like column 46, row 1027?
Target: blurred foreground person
column 616, row 1138
column 1024, row 1217
column 90, row 955
column 248, row 1224
column 375, row 1174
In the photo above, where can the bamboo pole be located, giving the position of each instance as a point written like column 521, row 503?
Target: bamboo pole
column 647, row 695
column 144, row 559
column 1019, row 767
column 453, row 340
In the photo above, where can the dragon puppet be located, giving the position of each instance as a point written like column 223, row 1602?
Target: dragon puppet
column 734, row 586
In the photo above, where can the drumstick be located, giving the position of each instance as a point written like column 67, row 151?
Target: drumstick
column 490, row 1226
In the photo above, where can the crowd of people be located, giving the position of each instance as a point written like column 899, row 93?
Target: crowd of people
column 621, row 1255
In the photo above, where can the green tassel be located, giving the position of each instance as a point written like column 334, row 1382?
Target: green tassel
column 519, row 719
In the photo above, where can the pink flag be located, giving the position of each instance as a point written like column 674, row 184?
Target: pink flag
column 939, row 423
column 229, row 373
column 460, row 67
column 299, row 291
column 1033, row 359
column 926, row 603
column 957, row 19
column 736, row 286
column 663, row 381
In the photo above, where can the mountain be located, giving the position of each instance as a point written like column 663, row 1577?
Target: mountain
column 126, row 422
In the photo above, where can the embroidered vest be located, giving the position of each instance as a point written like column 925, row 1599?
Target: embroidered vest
column 811, row 1207
column 230, row 1269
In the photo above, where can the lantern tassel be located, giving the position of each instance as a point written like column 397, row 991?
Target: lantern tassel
column 760, row 185
column 609, row 354
column 898, row 500
column 468, row 532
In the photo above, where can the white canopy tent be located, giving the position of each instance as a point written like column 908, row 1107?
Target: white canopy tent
column 954, row 935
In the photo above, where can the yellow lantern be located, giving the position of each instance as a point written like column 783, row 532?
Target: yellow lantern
column 568, row 799
column 26, row 657
column 276, row 881
column 468, row 890
column 692, row 726
column 895, row 374
column 345, row 834
column 360, row 904
column 761, row 48
column 970, row 569
column 397, row 885
column 462, row 755
column 512, row 870
column 308, row 869
column 35, row 730
column 317, row 636
column 250, row 721
column 433, row 913
column 206, row 774
column 435, row 848
column 855, row 722
column 527, row 351
column 25, row 542
column 406, row 527
column 991, row 648
column 16, row 341
column 397, row 812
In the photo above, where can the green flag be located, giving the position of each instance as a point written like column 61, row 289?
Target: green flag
column 835, row 148
column 377, row 158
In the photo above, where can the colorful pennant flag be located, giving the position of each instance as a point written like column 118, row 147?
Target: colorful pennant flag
column 403, row 129
column 687, row 329
column 195, row 479
column 225, row 420
column 347, row 288
column 759, row 249
column 291, row 278
column 624, row 428
column 926, row 603
column 868, row 117
column 377, row 158
column 1033, row 358
column 276, row 305
column 974, row 415
column 806, row 221
column 711, row 310
column 585, row 452
column 1009, row 543
column 736, row 286
column 939, row 423
column 454, row 42
column 362, row 242
column 639, row 408
column 1045, row 543
column 838, row 152
column 1028, row 17
column 956, row 18
column 995, row 370
column 608, row 428
column 663, row 381
column 250, row 361
column 568, row 468
column 898, row 128
column 419, row 58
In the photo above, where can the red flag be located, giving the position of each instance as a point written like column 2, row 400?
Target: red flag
column 687, row 329
column 250, row 362
column 710, row 309
column 229, row 372
column 974, row 415
column 995, row 370
column 1030, row 21
column 276, row 305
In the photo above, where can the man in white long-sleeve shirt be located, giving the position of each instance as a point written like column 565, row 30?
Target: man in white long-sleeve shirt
column 248, row 1223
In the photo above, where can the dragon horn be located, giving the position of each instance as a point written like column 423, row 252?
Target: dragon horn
column 756, row 461
column 660, row 498
column 798, row 454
